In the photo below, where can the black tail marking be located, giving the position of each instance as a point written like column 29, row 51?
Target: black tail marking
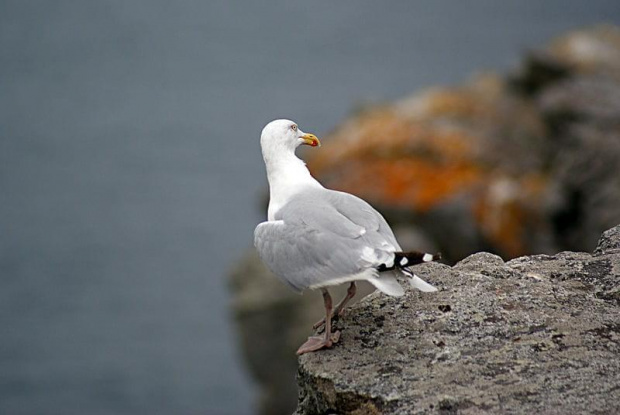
column 407, row 259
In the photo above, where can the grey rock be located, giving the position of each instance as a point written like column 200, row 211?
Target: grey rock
column 609, row 242
column 538, row 334
column 547, row 144
column 540, row 145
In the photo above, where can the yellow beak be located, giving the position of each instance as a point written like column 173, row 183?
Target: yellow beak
column 311, row 140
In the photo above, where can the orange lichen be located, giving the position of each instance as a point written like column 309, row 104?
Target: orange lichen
column 427, row 151
column 365, row 135
column 409, row 183
column 399, row 162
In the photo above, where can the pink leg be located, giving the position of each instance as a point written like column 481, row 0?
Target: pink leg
column 315, row 343
column 339, row 311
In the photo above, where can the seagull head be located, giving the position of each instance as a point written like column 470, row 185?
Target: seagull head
column 283, row 135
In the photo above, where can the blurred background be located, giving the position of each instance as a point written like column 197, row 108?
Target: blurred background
column 131, row 178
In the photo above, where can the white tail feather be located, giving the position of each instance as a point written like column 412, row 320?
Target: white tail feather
column 420, row 284
column 387, row 284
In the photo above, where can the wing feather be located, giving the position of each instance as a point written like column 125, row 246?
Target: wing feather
column 321, row 237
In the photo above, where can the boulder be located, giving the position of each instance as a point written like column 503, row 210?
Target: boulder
column 512, row 164
column 518, row 164
column 538, row 334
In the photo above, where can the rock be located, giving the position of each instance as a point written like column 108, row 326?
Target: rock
column 538, row 334
column 518, row 164
column 465, row 159
column 609, row 242
column 511, row 164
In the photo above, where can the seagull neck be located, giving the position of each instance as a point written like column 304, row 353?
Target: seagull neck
column 287, row 175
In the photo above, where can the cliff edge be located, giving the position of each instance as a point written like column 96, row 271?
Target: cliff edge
column 538, row 334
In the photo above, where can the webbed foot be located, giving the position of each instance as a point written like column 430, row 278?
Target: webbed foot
column 315, row 343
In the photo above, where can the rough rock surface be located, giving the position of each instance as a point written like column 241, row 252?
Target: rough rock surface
column 538, row 334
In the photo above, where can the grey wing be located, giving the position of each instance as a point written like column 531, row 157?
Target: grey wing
column 303, row 256
column 361, row 212
column 324, row 236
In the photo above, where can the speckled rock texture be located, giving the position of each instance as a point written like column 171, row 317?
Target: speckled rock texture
column 538, row 334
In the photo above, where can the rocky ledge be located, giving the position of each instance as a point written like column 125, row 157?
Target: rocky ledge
column 519, row 163
column 538, row 334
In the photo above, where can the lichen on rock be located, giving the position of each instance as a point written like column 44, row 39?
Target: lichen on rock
column 516, row 164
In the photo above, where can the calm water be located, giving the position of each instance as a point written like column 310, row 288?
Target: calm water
column 130, row 170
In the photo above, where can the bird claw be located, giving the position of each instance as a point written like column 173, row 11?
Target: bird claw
column 315, row 343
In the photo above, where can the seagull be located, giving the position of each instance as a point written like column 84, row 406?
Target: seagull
column 315, row 237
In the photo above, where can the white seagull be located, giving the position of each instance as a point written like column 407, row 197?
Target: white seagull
column 316, row 237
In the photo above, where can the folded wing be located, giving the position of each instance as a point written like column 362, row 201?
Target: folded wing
column 322, row 237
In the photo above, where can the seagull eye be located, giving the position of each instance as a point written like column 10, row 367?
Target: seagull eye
column 294, row 127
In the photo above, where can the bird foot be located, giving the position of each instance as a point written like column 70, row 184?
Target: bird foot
column 335, row 318
column 318, row 324
column 321, row 323
column 315, row 343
